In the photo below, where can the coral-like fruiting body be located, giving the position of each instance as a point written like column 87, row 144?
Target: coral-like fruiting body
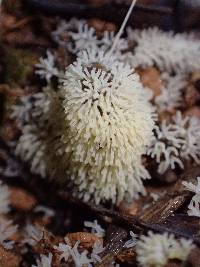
column 81, row 36
column 108, row 123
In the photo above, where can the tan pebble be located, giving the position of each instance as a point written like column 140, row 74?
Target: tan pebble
column 21, row 199
column 87, row 240
column 151, row 78
column 129, row 208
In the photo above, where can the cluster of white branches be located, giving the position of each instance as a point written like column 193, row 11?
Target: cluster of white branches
column 32, row 108
column 31, row 114
column 132, row 241
column 171, row 96
column 194, row 206
column 174, row 53
column 32, row 234
column 171, row 53
column 72, row 254
column 157, row 249
column 175, row 142
column 76, row 35
column 44, row 261
column 46, row 67
column 95, row 228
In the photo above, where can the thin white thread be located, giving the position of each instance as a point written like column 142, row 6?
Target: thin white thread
column 122, row 27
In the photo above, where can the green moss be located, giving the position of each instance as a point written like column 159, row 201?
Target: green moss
column 19, row 66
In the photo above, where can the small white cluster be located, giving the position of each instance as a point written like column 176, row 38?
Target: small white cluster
column 96, row 251
column 30, row 148
column 12, row 168
column 31, row 114
column 79, row 259
column 172, row 92
column 4, row 198
column 45, row 261
column 175, row 142
column 131, row 242
column 32, row 108
column 46, row 67
column 48, row 212
column 194, row 206
column 154, row 250
column 7, row 230
column 32, row 234
column 81, row 36
column 95, row 228
column 74, row 30
column 170, row 52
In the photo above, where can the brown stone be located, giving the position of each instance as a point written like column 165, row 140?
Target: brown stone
column 87, row 240
column 150, row 77
column 21, row 199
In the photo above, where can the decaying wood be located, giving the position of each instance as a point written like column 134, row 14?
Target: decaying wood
column 115, row 245
column 180, row 225
column 163, row 208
